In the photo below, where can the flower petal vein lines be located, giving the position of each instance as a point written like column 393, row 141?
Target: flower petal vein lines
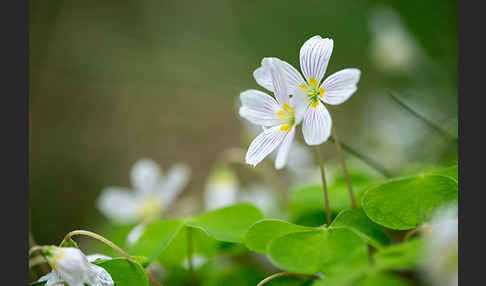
column 278, row 116
column 335, row 89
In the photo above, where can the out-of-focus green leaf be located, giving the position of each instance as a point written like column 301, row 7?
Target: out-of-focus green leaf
column 452, row 172
column 405, row 203
column 261, row 233
column 155, row 238
column 358, row 222
column 307, row 202
column 405, row 255
column 330, row 251
column 382, row 279
column 176, row 252
column 124, row 272
column 300, row 252
column 227, row 224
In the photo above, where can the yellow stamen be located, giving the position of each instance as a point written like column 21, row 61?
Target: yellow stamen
column 287, row 107
column 321, row 92
column 281, row 112
column 303, row 86
column 315, row 104
column 313, row 81
column 284, row 127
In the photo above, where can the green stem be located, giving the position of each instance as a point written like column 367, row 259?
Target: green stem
column 343, row 164
column 97, row 237
column 276, row 275
column 367, row 160
column 324, row 185
column 427, row 122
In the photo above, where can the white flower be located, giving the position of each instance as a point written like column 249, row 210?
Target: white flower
column 441, row 249
column 197, row 261
column 151, row 195
column 70, row 265
column 393, row 48
column 221, row 189
column 335, row 89
column 262, row 197
column 278, row 116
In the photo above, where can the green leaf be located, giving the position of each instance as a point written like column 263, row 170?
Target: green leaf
column 155, row 238
column 307, row 202
column 38, row 283
column 300, row 252
column 227, row 224
column 405, row 203
column 450, row 172
column 125, row 272
column 176, row 251
column 357, row 221
column 383, row 279
column 331, row 251
column 262, row 232
column 405, row 255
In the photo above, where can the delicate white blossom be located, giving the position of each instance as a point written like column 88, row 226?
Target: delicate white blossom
column 221, row 189
column 70, row 265
column 278, row 116
column 262, row 197
column 152, row 193
column 393, row 48
column 440, row 265
column 334, row 90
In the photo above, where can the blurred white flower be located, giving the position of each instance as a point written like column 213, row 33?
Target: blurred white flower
column 197, row 261
column 334, row 90
column 440, row 265
column 261, row 196
column 151, row 195
column 70, row 265
column 221, row 189
column 393, row 47
column 278, row 116
column 136, row 233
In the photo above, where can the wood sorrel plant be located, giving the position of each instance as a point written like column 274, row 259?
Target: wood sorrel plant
column 355, row 248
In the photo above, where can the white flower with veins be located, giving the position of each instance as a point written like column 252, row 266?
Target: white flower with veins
column 278, row 116
column 334, row 90
column 151, row 195
column 70, row 265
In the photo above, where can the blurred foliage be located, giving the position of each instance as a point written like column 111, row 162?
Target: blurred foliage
column 114, row 81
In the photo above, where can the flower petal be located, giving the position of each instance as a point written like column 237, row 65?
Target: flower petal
column 279, row 80
column 314, row 57
column 51, row 278
column 135, row 233
column 264, row 144
column 145, row 176
column 94, row 257
column 259, row 108
column 119, row 205
column 283, row 150
column 339, row 86
column 263, row 76
column 316, row 126
column 174, row 183
column 299, row 103
column 98, row 276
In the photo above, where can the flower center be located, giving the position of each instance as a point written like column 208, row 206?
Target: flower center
column 287, row 117
column 313, row 91
column 150, row 208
